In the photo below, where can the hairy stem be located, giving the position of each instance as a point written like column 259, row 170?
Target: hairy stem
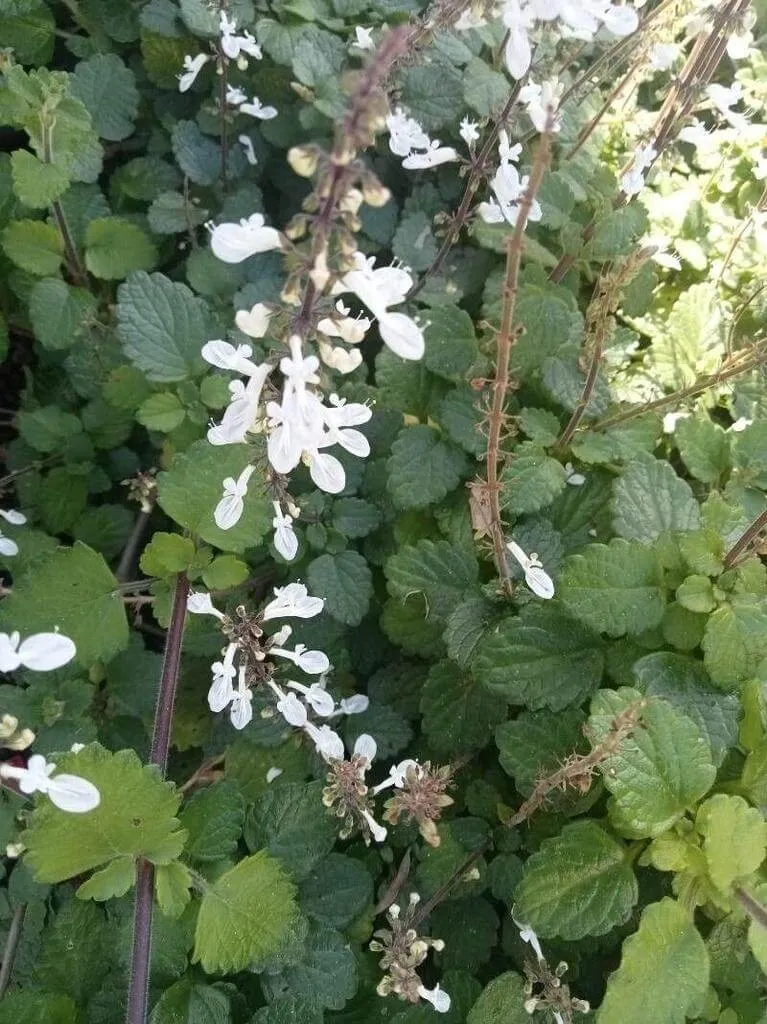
column 11, row 946
column 504, row 343
column 138, row 990
column 746, row 539
column 222, row 83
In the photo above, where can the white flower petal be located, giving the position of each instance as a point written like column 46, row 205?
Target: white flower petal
column 12, row 516
column 365, row 746
column 255, row 321
column 327, row 473
column 355, row 704
column 539, row 582
column 228, row 512
column 292, row 710
column 233, row 243
column 8, row 547
column 402, row 335
column 9, row 658
column 314, row 663
column 44, row 652
column 242, row 709
column 220, row 693
column 74, row 794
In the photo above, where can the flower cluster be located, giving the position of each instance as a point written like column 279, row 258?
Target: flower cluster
column 403, row 951
column 247, row 659
column 233, row 45
column 550, row 993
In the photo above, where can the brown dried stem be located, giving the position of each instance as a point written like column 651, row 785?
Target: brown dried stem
column 746, row 539
column 504, row 342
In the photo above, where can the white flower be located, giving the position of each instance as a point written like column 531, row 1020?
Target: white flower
column 247, row 144
column 255, row 321
column 233, row 243
column 405, row 134
column 540, row 102
column 435, row 155
column 9, row 547
column 350, row 329
column 537, row 580
column 518, row 51
column 273, row 773
column 285, row 540
column 200, row 603
column 235, row 96
column 242, row 413
column 633, row 180
column 337, row 358
column 469, row 131
column 221, row 692
column 508, row 189
column 363, row 38
column 573, row 478
column 13, row 516
column 293, row 601
column 256, row 109
column 316, row 696
column 378, row 832
column 233, row 45
column 366, row 747
column 41, row 652
column 437, row 996
column 397, row 775
column 671, row 419
column 664, row 55
column 328, row 744
column 229, row 510
column 241, row 712
column 354, row 705
column 527, row 934
column 67, row 792
column 620, row 20
column 292, row 710
column 192, row 68
column 314, row 663
column 378, row 289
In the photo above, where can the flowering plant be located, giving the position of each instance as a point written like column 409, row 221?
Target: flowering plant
column 383, row 619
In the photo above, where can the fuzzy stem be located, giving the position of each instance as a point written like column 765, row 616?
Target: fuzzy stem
column 11, row 946
column 745, row 540
column 75, row 267
column 138, row 990
column 222, row 83
column 504, row 343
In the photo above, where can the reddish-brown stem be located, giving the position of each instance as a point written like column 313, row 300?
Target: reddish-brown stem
column 745, row 540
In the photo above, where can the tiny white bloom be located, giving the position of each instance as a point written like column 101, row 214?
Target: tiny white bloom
column 536, row 578
column 363, row 38
column 9, row 547
column 229, row 510
column 469, row 131
column 437, row 996
column 254, row 321
column 405, row 134
column 273, row 773
column 235, row 46
column 312, row 662
column 664, row 55
column 671, row 419
column 327, row 743
column 292, row 710
column 354, row 705
column 13, row 516
column 741, row 424
column 241, row 712
column 233, row 243
column 247, row 144
column 378, row 832
column 201, row 603
column 192, row 68
column 67, row 792
column 621, row 21
column 316, row 696
column 41, row 652
column 382, row 287
column 527, row 934
column 435, row 155
column 294, row 601
column 633, row 180
column 235, row 96
column 574, row 478
column 285, row 539
column 397, row 775
column 366, row 747
column 256, row 109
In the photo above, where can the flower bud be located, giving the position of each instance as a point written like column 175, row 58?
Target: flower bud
column 303, row 160
column 376, row 194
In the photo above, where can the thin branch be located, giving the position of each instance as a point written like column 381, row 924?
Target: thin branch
column 504, row 342
column 755, row 910
column 222, row 83
column 138, row 989
column 129, row 557
column 11, row 946
column 204, row 774
column 746, row 539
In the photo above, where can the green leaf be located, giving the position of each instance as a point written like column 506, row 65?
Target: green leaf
column 461, row 417
column 664, row 966
column 354, row 517
column 36, row 184
column 757, row 933
column 112, row 881
column 502, row 1002
column 613, row 588
column 704, row 447
column 162, row 326
column 72, row 957
column 171, row 213
column 660, row 770
column 472, row 923
column 734, row 839
column 465, row 627
column 172, row 884
column 135, row 818
column 616, row 232
column 167, row 554
column 288, row 1010
column 213, row 819
column 578, row 883
column 48, row 428
column 198, row 156
column 32, row 1008
column 458, row 715
column 451, row 345
column 31, row 36
column 414, row 243
column 189, row 1002
column 73, row 591
column 485, row 90
column 540, row 425
column 246, row 915
column 190, row 490
column 291, row 822
column 691, row 339
column 432, row 93
column 534, row 744
column 224, row 572
column 59, row 312
column 108, row 90
column 115, row 247
column 685, row 684
column 423, row 468
column 336, row 890
column 162, row 411
column 649, row 498
column 346, row 585
column 735, row 643
column 201, row 21
column 531, row 480
column 34, row 246
column 540, row 658
column 437, row 570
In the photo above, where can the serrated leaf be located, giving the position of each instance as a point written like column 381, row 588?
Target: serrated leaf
column 502, row 1002
column 531, row 480
column 108, row 89
column 691, row 340
column 485, row 90
column 432, row 94
column 162, row 411
column 685, row 684
column 346, row 585
column 649, row 498
column 476, row 921
column 577, row 883
column 336, row 890
column 436, row 570
column 225, row 572
column 115, row 247
column 189, row 1002
column 465, row 627
column 37, row 184
column 461, row 417
column 534, row 744
column 112, row 881
column 660, row 770
column 423, row 468
column 34, row 246
column 21, row 1007
column 213, row 819
column 71, row 960
column 735, row 643
column 540, row 658
column 387, row 724
column 734, row 839
column 171, row 213
column 704, row 447
column 613, row 588
column 355, row 517
column 172, row 884
column 326, row 975
column 59, row 312
column 615, row 233
column 198, row 156
column 162, row 325
column 664, row 965
column 191, row 488
column 246, row 915
column 71, row 591
column 291, row 822
column 458, row 714
column 135, row 818
column 414, row 242
column 451, row 345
